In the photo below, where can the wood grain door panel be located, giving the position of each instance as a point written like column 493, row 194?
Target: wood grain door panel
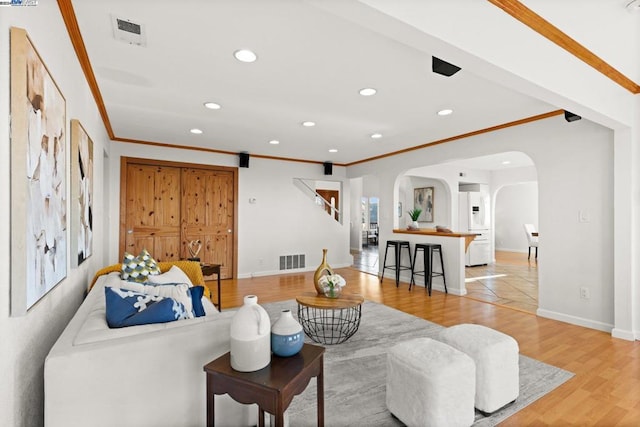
column 153, row 211
column 165, row 205
column 207, row 215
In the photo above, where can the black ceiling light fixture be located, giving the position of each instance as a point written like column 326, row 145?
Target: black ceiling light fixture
column 570, row 117
column 443, row 67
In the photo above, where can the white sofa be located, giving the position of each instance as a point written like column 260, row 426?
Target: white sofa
column 149, row 375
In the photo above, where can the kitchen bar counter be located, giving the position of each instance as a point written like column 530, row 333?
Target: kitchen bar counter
column 468, row 237
column 454, row 246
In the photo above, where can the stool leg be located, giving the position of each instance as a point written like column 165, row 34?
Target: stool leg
column 410, row 262
column 384, row 263
column 444, row 280
column 398, row 256
column 425, row 266
column 413, row 266
column 429, row 269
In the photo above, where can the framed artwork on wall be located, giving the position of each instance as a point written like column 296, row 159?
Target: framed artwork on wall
column 38, row 177
column 81, row 194
column 423, row 199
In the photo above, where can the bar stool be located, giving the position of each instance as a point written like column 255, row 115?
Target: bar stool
column 427, row 256
column 397, row 245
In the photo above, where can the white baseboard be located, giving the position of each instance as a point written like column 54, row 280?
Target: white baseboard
column 625, row 335
column 575, row 320
column 519, row 250
column 291, row 271
column 406, row 278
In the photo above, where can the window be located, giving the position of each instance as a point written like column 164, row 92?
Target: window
column 369, row 211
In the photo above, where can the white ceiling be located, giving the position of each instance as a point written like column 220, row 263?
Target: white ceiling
column 506, row 160
column 311, row 65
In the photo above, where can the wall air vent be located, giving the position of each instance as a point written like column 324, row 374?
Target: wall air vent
column 289, row 262
column 128, row 31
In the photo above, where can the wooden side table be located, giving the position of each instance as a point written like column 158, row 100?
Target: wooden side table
column 208, row 270
column 272, row 388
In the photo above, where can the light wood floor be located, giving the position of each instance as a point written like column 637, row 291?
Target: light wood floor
column 604, row 392
column 512, row 281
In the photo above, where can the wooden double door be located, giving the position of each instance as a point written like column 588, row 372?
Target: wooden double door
column 166, row 205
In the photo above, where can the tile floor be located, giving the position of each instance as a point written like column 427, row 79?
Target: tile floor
column 512, row 281
column 367, row 259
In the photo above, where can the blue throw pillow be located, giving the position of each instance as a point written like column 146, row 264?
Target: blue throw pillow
column 193, row 294
column 196, row 298
column 129, row 308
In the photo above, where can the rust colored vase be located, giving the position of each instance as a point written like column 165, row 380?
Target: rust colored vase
column 323, row 268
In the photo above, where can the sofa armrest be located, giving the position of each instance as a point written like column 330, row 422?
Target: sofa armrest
column 155, row 379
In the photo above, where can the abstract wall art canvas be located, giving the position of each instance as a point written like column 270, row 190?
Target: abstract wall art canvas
column 38, row 177
column 81, row 194
column 423, row 199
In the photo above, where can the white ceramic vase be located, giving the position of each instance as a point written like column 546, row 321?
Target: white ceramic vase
column 250, row 337
column 286, row 335
column 414, row 225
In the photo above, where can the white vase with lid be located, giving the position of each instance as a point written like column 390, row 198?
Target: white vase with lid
column 250, row 337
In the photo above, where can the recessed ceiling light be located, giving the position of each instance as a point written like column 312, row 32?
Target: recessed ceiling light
column 506, row 162
column 308, row 124
column 212, row 105
column 333, row 150
column 445, row 112
column 376, row 135
column 368, row 91
column 196, row 131
column 245, row 55
column 274, row 142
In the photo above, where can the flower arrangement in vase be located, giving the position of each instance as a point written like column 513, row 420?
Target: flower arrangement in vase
column 332, row 285
column 414, row 214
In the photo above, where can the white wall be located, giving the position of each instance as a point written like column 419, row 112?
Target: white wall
column 574, row 163
column 282, row 221
column 355, row 227
column 515, row 205
column 26, row 340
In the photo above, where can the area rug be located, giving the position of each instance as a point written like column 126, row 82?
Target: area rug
column 355, row 372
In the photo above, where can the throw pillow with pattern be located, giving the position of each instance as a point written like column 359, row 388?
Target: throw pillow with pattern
column 138, row 268
column 129, row 308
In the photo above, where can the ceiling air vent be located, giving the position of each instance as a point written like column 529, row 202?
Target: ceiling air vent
column 128, row 31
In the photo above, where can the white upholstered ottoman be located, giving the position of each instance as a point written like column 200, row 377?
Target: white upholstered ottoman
column 430, row 384
column 496, row 358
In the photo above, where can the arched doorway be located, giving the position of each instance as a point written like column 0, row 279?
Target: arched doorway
column 512, row 279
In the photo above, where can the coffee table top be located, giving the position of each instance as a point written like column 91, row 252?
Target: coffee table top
column 345, row 300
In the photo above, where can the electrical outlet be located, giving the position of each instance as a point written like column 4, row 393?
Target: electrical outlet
column 584, row 293
column 584, row 216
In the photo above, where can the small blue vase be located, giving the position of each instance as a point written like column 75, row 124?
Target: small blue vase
column 286, row 335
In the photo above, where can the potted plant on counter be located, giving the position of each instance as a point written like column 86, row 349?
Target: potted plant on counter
column 414, row 214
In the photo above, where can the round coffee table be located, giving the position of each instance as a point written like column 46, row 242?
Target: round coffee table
column 329, row 320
